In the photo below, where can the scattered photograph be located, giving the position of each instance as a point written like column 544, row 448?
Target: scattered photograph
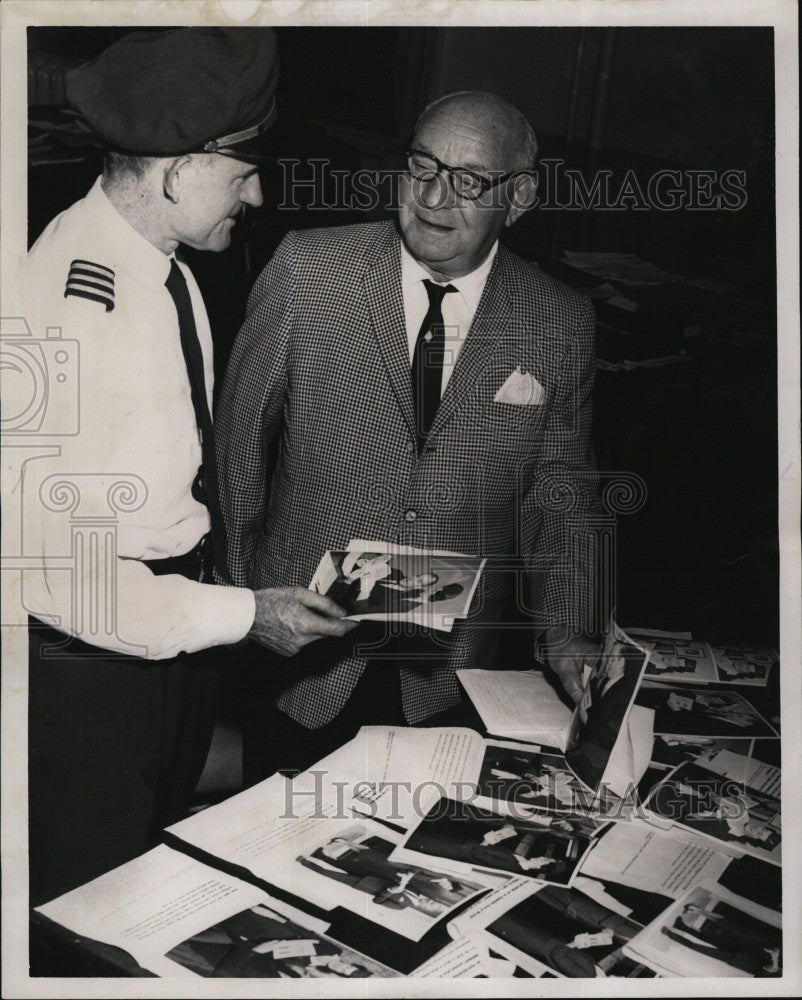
column 718, row 807
column 600, row 715
column 259, row 943
column 676, row 657
column 541, row 780
column 547, row 847
column 566, row 930
column 671, row 750
column 745, row 664
column 360, row 860
column 708, row 934
column 703, row 713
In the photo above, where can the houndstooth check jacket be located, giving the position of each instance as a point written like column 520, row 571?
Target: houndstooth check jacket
column 316, row 446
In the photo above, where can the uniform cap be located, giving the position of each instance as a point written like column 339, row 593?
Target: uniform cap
column 182, row 91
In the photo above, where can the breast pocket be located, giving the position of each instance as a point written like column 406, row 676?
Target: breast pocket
column 515, row 424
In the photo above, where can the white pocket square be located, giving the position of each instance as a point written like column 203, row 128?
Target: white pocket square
column 521, row 389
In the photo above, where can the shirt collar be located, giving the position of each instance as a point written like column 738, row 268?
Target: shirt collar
column 128, row 249
column 469, row 285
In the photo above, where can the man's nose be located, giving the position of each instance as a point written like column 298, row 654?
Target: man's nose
column 252, row 192
column 435, row 191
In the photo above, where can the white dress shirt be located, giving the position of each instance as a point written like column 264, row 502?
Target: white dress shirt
column 459, row 308
column 127, row 385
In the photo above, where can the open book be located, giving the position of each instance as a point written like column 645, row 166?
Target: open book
column 607, row 742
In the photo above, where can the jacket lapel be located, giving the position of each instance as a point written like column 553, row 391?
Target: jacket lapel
column 490, row 325
column 386, row 304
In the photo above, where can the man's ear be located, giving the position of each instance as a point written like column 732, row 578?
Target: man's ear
column 523, row 194
column 174, row 177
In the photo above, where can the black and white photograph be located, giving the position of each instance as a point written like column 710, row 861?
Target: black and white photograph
column 745, row 664
column 669, row 750
column 425, row 588
column 566, row 930
column 542, row 846
column 347, row 350
column 361, row 861
column 736, row 815
column 260, row 944
column 541, row 780
column 602, row 711
column 683, row 711
column 676, row 657
column 704, row 934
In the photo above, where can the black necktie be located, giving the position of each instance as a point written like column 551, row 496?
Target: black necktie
column 427, row 361
column 204, row 488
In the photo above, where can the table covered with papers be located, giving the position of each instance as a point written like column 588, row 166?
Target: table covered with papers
column 638, row 836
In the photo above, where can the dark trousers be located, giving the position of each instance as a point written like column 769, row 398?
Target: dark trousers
column 272, row 741
column 116, row 745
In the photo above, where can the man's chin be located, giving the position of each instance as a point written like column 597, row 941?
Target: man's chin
column 429, row 244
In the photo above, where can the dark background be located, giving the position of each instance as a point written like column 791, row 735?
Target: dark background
column 702, row 553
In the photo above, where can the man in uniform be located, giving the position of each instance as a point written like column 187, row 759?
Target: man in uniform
column 122, row 694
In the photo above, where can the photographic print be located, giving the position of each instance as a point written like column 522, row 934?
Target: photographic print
column 541, row 780
column 569, row 932
column 426, row 588
column 730, row 812
column 541, row 846
column 407, row 898
column 600, row 715
column 259, row 943
column 708, row 933
column 514, row 280
column 710, row 713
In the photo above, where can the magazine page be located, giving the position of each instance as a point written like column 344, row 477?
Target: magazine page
column 153, row 904
column 750, row 665
column 465, row 958
column 518, row 705
column 284, row 833
column 758, row 775
column 676, row 657
column 548, row 847
column 385, row 771
column 599, row 719
column 685, row 712
column 738, row 818
column 668, row 863
column 712, row 932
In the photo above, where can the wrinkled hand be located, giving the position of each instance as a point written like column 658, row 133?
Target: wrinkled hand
column 566, row 654
column 289, row 618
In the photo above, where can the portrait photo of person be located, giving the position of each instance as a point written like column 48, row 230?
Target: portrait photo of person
column 363, row 863
column 543, row 847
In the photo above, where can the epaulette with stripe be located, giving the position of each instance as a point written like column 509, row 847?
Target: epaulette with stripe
column 91, row 281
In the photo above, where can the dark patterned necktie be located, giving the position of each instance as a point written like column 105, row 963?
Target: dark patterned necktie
column 427, row 361
column 204, row 487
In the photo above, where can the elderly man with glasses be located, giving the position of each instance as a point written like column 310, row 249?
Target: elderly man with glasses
column 426, row 387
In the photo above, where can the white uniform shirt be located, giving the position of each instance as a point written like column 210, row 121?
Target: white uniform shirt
column 459, row 308
column 135, row 424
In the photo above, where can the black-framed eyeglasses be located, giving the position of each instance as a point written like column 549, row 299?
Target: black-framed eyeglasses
column 465, row 183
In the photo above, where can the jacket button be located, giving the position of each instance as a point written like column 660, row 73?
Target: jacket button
column 411, row 515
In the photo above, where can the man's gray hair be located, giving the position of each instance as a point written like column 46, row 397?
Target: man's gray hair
column 522, row 139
